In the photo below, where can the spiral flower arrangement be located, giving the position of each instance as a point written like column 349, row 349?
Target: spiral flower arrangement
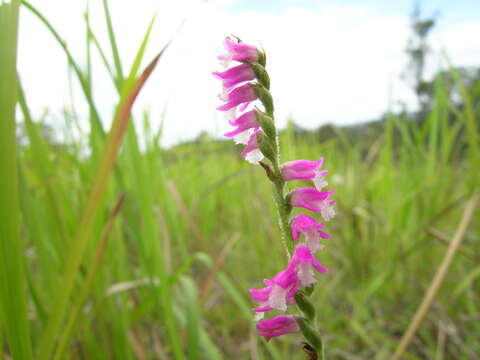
column 245, row 87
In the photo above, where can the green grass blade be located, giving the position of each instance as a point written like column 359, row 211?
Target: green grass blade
column 99, row 48
column 113, row 43
column 192, row 318
column 12, row 284
column 140, row 52
column 89, row 281
column 209, row 346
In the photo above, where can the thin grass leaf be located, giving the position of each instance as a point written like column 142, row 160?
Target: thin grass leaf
column 89, row 281
column 113, row 44
column 192, row 318
column 100, row 50
column 140, row 52
column 13, row 300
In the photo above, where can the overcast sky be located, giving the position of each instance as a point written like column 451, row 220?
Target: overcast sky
column 329, row 61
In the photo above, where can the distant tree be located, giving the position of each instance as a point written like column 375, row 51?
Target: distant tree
column 418, row 50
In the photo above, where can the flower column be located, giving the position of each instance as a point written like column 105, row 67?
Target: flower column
column 245, row 85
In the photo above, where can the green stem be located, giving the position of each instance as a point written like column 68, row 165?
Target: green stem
column 283, row 208
column 283, row 213
column 321, row 356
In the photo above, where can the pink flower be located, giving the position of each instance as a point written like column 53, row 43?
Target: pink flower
column 304, row 263
column 238, row 51
column 311, row 229
column 243, row 123
column 327, row 210
column 278, row 293
column 310, row 199
column 242, row 94
column 277, row 326
column 305, row 170
column 235, row 75
column 251, row 152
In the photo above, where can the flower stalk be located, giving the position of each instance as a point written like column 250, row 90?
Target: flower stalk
column 244, row 85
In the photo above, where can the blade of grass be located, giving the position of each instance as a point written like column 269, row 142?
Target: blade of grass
column 209, row 347
column 13, row 303
column 113, row 43
column 446, row 241
column 95, row 200
column 192, row 317
column 99, row 48
column 140, row 52
column 90, row 278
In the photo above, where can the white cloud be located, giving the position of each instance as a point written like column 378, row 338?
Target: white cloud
column 335, row 64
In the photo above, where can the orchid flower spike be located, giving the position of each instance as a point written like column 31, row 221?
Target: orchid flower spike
column 311, row 229
column 246, row 82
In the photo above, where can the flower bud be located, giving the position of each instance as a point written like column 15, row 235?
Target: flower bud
column 309, row 290
column 262, row 59
column 265, row 146
column 261, row 75
column 310, row 333
column 267, row 125
column 265, row 97
column 305, row 305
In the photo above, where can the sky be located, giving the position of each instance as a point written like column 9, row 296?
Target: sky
column 337, row 61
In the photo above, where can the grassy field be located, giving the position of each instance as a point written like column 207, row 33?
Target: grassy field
column 149, row 254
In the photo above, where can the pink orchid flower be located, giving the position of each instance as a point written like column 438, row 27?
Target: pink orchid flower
column 277, row 326
column 311, row 229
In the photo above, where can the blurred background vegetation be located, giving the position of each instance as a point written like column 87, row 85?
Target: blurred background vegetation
column 152, row 259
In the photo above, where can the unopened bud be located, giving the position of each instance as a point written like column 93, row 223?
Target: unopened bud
column 262, row 58
column 309, row 290
column 265, row 97
column 310, row 333
column 265, row 146
column 261, row 75
column 305, row 305
column 267, row 124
